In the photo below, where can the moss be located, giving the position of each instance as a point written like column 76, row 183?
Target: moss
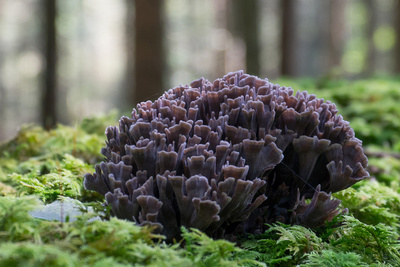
column 26, row 241
column 329, row 258
column 366, row 237
column 375, row 243
column 31, row 255
column 372, row 203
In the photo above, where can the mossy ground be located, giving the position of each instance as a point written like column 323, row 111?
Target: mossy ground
column 39, row 167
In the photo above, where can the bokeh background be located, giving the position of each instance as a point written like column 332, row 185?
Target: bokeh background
column 61, row 61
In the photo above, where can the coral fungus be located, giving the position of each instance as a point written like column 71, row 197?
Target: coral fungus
column 228, row 156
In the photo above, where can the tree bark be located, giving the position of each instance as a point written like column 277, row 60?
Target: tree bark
column 49, row 110
column 288, row 38
column 128, row 97
column 371, row 27
column 221, row 22
column 149, row 52
column 3, row 96
column 397, row 45
column 3, row 102
column 337, row 32
column 246, row 26
column 250, row 33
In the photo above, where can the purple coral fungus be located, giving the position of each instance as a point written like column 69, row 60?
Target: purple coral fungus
column 227, row 157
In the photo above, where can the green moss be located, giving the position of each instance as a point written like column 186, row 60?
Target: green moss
column 372, row 203
column 15, row 222
column 26, row 241
column 283, row 245
column 51, row 163
column 31, row 255
column 204, row 251
column 49, row 178
column 83, row 141
column 38, row 164
column 386, row 170
column 329, row 258
column 375, row 243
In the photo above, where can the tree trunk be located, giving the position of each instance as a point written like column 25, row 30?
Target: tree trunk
column 49, row 112
column 371, row 26
column 221, row 22
column 3, row 98
column 2, row 93
column 149, row 54
column 128, row 97
column 250, row 34
column 336, row 32
column 288, row 38
column 397, row 46
column 246, row 26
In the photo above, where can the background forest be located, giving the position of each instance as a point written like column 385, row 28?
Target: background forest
column 63, row 60
column 69, row 69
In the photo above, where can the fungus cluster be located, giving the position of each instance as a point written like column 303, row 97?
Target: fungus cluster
column 227, row 157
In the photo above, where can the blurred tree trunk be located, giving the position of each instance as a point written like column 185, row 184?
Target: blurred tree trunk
column 246, row 26
column 336, row 32
column 128, row 97
column 149, row 52
column 221, row 23
column 3, row 98
column 49, row 112
column 371, row 26
column 397, row 45
column 288, row 38
column 2, row 92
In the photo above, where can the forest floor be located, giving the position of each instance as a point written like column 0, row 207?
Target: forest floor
column 48, row 219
